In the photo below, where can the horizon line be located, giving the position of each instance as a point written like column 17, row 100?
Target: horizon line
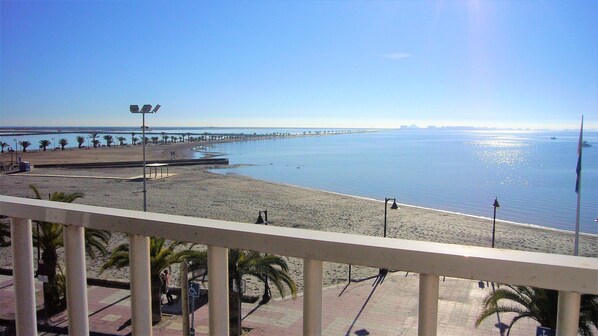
column 402, row 127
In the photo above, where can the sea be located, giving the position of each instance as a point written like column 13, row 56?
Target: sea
column 532, row 174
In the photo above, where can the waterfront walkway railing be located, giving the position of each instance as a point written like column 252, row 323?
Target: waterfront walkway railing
column 570, row 275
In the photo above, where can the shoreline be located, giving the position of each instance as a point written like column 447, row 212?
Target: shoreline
column 528, row 225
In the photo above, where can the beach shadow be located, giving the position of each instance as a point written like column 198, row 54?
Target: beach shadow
column 110, row 305
column 364, row 279
column 6, row 286
column 501, row 326
column 362, row 332
column 381, row 276
column 176, row 307
column 252, row 311
column 126, row 324
column 375, row 285
column 357, row 281
column 344, row 289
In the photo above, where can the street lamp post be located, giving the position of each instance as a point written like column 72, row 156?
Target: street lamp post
column 383, row 271
column 495, row 205
column 394, row 206
column 264, row 220
column 53, row 143
column 145, row 109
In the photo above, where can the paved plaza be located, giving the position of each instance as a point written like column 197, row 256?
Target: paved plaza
column 371, row 306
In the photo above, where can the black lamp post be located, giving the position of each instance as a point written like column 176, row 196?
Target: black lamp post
column 10, row 150
column 264, row 220
column 394, row 206
column 260, row 219
column 383, row 271
column 495, row 205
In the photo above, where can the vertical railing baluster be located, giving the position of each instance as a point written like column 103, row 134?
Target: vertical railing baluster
column 428, row 305
column 141, row 303
column 312, row 297
column 218, row 290
column 76, row 280
column 22, row 276
column 567, row 322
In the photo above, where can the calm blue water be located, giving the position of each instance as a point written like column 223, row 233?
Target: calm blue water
column 462, row 171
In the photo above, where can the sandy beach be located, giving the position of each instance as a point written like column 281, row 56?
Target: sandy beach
column 194, row 191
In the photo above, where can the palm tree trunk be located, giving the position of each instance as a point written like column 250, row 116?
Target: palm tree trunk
column 156, row 307
column 53, row 303
column 235, row 308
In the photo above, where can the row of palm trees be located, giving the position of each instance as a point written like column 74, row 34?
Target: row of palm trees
column 526, row 302
column 110, row 140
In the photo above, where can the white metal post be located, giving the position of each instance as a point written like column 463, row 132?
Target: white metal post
column 22, row 261
column 144, row 178
column 141, row 303
column 185, row 296
column 312, row 297
column 567, row 322
column 76, row 280
column 428, row 305
column 218, row 290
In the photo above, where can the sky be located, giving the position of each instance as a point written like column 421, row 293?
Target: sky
column 515, row 64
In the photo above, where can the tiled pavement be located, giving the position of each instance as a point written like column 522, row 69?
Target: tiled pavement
column 367, row 307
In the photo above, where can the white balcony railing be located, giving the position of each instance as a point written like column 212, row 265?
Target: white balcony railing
column 571, row 276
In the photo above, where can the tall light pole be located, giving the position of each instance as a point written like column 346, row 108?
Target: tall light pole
column 264, row 220
column 394, row 206
column 145, row 109
column 495, row 205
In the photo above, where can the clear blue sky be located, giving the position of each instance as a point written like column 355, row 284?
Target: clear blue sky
column 300, row 63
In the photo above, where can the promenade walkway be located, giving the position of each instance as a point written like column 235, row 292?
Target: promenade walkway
column 368, row 307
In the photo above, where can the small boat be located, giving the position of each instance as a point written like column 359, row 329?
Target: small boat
column 553, row 138
column 586, row 144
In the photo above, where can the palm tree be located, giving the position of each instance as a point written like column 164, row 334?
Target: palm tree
column 4, row 233
column 109, row 140
column 133, row 141
column 3, row 144
column 164, row 136
column 93, row 137
column 63, row 142
column 25, row 144
column 121, row 140
column 155, row 140
column 162, row 256
column 49, row 238
column 538, row 304
column 80, row 141
column 44, row 143
column 264, row 267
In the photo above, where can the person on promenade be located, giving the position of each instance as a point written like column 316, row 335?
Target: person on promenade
column 165, row 287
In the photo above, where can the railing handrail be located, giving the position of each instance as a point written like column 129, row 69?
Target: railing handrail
column 551, row 271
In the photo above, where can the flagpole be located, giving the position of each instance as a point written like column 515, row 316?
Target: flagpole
column 576, row 250
column 578, row 189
